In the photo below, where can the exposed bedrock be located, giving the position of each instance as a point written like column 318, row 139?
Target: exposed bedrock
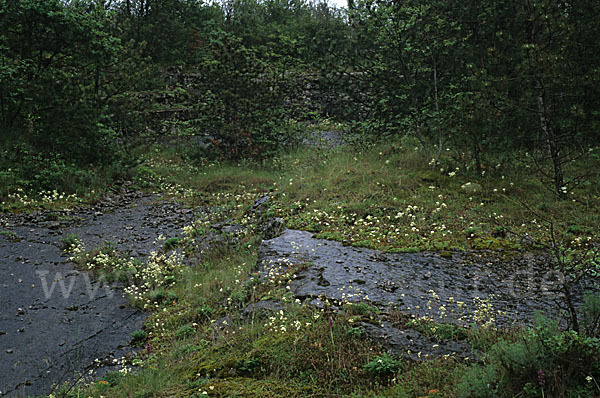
column 55, row 320
column 462, row 289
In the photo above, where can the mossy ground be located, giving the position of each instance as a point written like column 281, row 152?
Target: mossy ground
column 389, row 198
column 199, row 340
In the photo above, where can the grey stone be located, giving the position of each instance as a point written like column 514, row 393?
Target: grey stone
column 58, row 343
column 262, row 308
column 272, row 228
column 260, row 206
column 411, row 344
column 54, row 225
column 418, row 284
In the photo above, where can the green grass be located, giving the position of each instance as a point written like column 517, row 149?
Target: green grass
column 10, row 235
column 69, row 241
column 288, row 354
column 389, row 198
column 436, row 330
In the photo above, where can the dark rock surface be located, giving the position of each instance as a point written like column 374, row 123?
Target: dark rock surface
column 411, row 344
column 272, row 228
column 56, row 321
column 327, row 138
column 262, row 308
column 462, row 289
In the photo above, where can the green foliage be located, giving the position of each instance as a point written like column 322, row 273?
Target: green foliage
column 590, row 314
column 247, row 365
column 171, row 243
column 479, row 382
column 35, row 172
column 86, row 86
column 439, row 331
column 63, row 68
column 68, row 241
column 356, row 332
column 382, row 366
column 91, row 100
column 240, row 104
column 113, row 377
column 171, row 295
column 432, row 73
column 299, row 350
column 187, row 349
column 184, row 331
column 50, row 76
column 205, row 311
column 360, row 308
column 540, row 358
column 158, row 296
column 138, row 337
column 10, row 235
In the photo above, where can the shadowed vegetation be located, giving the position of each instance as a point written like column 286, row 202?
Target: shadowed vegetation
column 411, row 126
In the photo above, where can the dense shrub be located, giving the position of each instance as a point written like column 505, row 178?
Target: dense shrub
column 543, row 358
column 239, row 106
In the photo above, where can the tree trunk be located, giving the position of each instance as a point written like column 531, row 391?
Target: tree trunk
column 437, row 111
column 420, row 137
column 571, row 307
column 550, row 138
column 477, row 153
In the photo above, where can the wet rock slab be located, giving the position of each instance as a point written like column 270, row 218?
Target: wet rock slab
column 411, row 344
column 459, row 289
column 56, row 321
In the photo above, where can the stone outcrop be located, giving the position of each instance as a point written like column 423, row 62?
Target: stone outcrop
column 56, row 321
column 459, row 289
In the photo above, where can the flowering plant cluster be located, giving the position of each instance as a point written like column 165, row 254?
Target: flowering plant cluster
column 44, row 199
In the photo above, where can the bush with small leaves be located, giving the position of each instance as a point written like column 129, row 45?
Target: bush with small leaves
column 590, row 313
column 138, row 336
column 184, row 331
column 479, row 382
column 68, row 241
column 205, row 311
column 356, row 332
column 382, row 366
column 170, row 244
column 542, row 359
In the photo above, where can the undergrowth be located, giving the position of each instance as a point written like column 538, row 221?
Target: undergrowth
column 200, row 339
column 388, row 198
